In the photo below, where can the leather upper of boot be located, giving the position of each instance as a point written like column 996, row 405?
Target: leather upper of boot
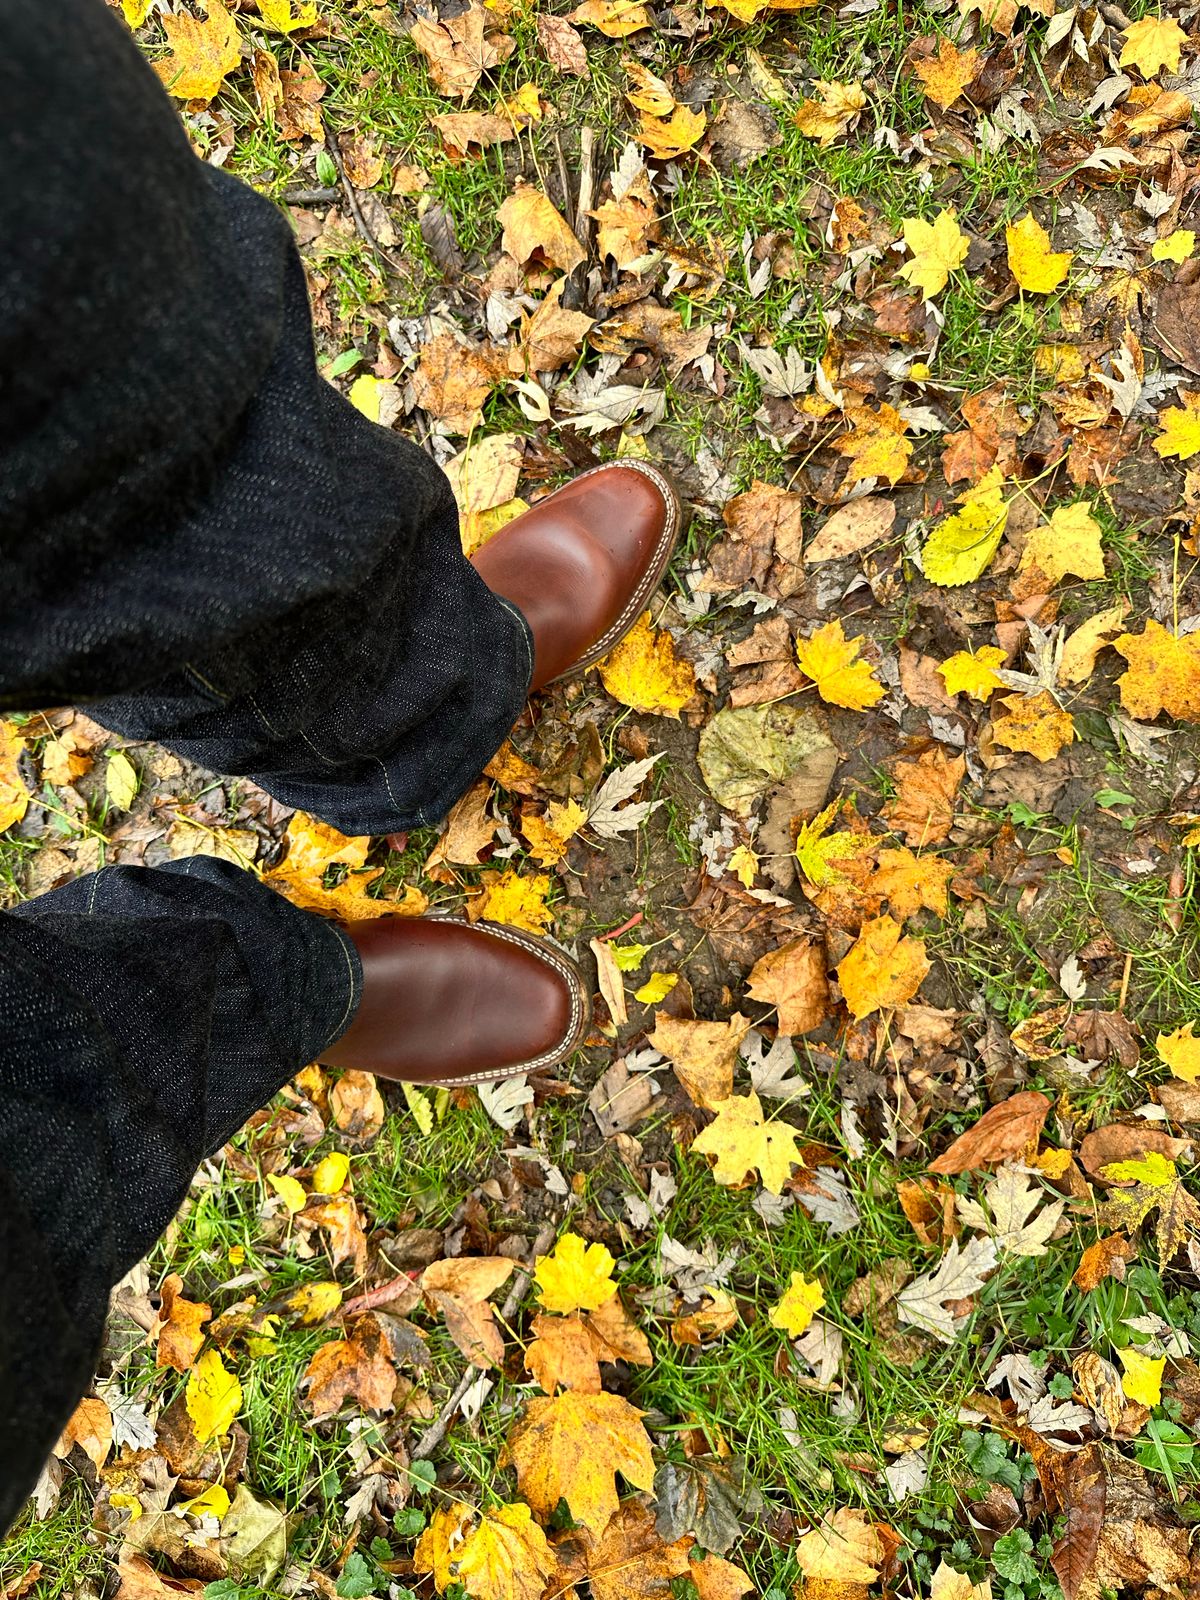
column 443, row 1001
column 582, row 563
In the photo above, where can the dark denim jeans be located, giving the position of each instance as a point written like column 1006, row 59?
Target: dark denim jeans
column 202, row 542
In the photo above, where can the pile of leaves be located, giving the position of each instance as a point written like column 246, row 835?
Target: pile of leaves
column 857, row 1253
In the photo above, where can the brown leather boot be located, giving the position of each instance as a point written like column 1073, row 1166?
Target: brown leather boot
column 582, row 564
column 446, row 1002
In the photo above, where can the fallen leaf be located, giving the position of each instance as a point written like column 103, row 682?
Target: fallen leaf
column 90, row 1426
column 615, row 1336
column 627, row 227
column 925, row 1302
column 533, row 226
column 947, row 74
column 824, row 857
column 507, row 897
column 876, row 445
column 630, row 1561
column 453, row 378
column 962, row 545
column 1035, row 723
column 740, row 1141
column 843, row 1548
column 1163, row 673
column 575, row 1277
column 1151, row 44
column 1007, row 1213
column 1107, row 1258
column 563, row 46
column 938, row 248
column 1176, row 247
column 1180, row 436
column 314, row 1302
column 644, row 672
column 830, row 660
column 615, row 18
column 459, row 1287
column 550, row 834
column 911, row 883
column 300, row 92
column 180, row 1322
column 883, row 968
column 337, row 1217
column 460, row 49
column 702, row 1054
column 716, row 1579
column 1083, row 646
column 505, row 1556
column 213, row 1397
column 1142, row 1380
column 667, row 138
column 715, row 1316
column 973, row 673
column 1180, row 1051
column 570, row 1447
column 793, row 980
column 744, row 751
column 851, row 528
column 562, row 1355
column 14, row 796
column 1069, row 542
column 1001, row 1134
column 835, row 111
column 357, row 1105
column 1031, row 261
column 203, row 53
column 313, row 849
column 922, row 808
column 801, row 1301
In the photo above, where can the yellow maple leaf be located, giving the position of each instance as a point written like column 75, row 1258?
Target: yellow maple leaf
column 875, row 445
column 838, row 107
column 909, row 882
column 1176, row 247
column 843, row 1549
column 973, row 673
column 1068, row 543
column 743, row 863
column 656, row 987
column 668, row 137
column 366, row 394
column 14, row 796
column 1152, row 43
column 289, row 1190
column 830, row 660
column 506, row 1555
column 570, row 1447
column 819, row 852
column 1156, row 1171
column 1085, row 644
column 437, row 1545
column 575, row 1276
column 1142, row 1381
column 1181, row 427
column 287, row 16
column 330, row 1173
column 314, row 847
column 963, row 544
column 740, row 1141
column 509, row 898
column 550, row 835
column 1035, row 723
column 533, row 226
column 213, row 1397
column 135, row 12
column 1181, row 1052
column 644, row 672
column 1163, row 673
column 743, row 10
column 938, row 249
column 203, row 53
column 615, row 18
column 801, row 1301
column 702, row 1054
column 947, row 74
column 1030, row 259
column 883, row 968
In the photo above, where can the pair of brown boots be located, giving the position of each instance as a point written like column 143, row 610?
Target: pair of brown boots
column 447, row 1002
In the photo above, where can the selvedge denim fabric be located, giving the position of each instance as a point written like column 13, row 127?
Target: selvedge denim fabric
column 204, row 544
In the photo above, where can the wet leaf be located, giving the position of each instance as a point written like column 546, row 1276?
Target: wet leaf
column 938, row 248
column 947, row 74
column 1163, row 673
column 793, row 980
column 507, row 897
column 1035, row 723
column 743, row 752
column 561, row 1355
column 644, row 672
column 801, row 1301
column 571, row 1447
column 1031, row 261
column 1151, row 44
column 702, row 1054
column 181, row 1321
column 213, row 1396
column 883, row 968
column 1002, row 1133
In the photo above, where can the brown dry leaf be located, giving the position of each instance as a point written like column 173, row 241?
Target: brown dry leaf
column 851, row 528
column 562, row 1355
column 356, row 1368
column 459, row 1288
column 1035, row 723
column 462, row 129
column 179, row 1325
column 929, row 1208
column 883, row 968
column 90, row 1426
column 361, row 159
column 486, row 473
column 629, row 1562
column 562, row 44
column 469, row 830
column 570, row 1448
column 1107, row 1258
column 300, row 93
column 65, row 758
column 793, row 980
column 139, row 1581
column 923, row 806
column 627, row 228
column 533, row 226
column 339, row 1221
column 552, row 337
column 460, row 49
column 453, row 379
column 268, row 85
column 701, row 1053
column 616, row 1336
column 763, row 550
column 357, row 1105
column 715, row 1316
column 1001, row 1134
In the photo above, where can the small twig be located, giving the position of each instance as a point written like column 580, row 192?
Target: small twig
column 1125, row 980
column 309, row 197
column 584, row 225
column 436, row 1431
column 360, row 222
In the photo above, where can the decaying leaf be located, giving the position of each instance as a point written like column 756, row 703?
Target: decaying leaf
column 1002, row 1133
column 883, row 968
column 702, row 1054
